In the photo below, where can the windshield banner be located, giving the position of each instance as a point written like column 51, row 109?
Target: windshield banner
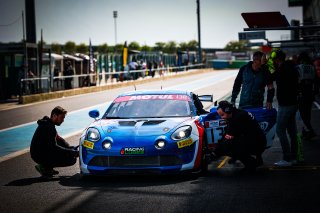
column 152, row 97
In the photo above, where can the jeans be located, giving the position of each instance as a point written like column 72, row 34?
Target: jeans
column 286, row 123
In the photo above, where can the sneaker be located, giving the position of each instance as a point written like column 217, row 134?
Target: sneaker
column 283, row 163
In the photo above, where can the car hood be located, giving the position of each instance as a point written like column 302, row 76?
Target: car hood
column 141, row 127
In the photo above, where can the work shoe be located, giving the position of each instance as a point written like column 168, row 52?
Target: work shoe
column 259, row 161
column 283, row 163
column 309, row 135
column 43, row 171
column 232, row 160
column 54, row 172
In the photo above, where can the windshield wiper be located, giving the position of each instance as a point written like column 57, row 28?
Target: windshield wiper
column 114, row 117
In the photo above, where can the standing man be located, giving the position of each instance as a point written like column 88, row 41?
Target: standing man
column 243, row 139
column 307, row 77
column 286, row 76
column 252, row 80
column 69, row 73
column 48, row 149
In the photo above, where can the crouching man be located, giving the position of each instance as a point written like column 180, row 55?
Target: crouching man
column 48, row 149
column 244, row 139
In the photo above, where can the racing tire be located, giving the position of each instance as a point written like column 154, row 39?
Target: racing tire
column 204, row 165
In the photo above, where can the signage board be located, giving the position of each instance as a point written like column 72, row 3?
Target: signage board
column 252, row 35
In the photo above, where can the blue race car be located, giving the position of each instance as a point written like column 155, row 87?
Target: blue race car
column 146, row 132
column 157, row 132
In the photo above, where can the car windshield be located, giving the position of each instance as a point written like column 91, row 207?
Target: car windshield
column 149, row 106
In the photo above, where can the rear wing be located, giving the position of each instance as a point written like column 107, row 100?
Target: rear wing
column 206, row 98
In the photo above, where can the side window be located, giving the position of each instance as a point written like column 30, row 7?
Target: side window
column 198, row 105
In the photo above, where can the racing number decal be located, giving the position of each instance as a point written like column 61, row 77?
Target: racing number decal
column 214, row 135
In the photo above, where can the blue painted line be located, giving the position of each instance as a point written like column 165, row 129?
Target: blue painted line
column 19, row 138
column 15, row 139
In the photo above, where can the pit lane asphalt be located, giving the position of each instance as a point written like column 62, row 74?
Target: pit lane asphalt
column 225, row 189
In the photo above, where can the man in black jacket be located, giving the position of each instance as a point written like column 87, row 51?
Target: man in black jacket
column 243, row 137
column 287, row 81
column 48, row 149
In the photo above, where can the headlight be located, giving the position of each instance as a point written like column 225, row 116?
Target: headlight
column 160, row 144
column 93, row 134
column 181, row 133
column 106, row 144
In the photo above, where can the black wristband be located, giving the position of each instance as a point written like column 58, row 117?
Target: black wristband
column 270, row 95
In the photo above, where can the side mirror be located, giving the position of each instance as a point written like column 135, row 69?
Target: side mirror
column 206, row 98
column 94, row 113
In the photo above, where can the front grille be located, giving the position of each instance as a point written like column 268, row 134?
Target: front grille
column 135, row 161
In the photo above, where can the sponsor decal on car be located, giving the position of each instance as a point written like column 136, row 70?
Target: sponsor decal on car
column 88, row 144
column 132, row 151
column 153, row 97
column 184, row 143
column 215, row 123
column 264, row 125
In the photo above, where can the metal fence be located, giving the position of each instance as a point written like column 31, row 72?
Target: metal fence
column 38, row 85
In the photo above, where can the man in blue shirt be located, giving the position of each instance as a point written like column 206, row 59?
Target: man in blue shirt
column 252, row 79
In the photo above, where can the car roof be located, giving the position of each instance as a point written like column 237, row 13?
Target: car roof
column 156, row 92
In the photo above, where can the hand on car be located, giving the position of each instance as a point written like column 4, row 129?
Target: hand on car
column 228, row 137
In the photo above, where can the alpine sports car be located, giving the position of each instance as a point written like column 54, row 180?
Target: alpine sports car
column 145, row 131
column 164, row 131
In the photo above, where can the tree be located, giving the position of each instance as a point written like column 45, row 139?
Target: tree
column 103, row 48
column 236, row 46
column 134, row 46
column 146, row 48
column 159, row 46
column 183, row 46
column 56, row 48
column 192, row 45
column 171, row 47
column 82, row 48
column 70, row 47
column 118, row 48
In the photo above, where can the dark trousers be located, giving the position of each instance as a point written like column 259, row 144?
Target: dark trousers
column 305, row 107
column 239, row 150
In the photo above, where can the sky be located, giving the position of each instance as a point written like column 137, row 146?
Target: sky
column 143, row 21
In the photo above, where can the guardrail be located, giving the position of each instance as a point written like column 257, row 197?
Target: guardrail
column 38, row 85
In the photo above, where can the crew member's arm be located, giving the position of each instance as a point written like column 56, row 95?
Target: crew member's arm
column 270, row 95
column 270, row 90
column 237, row 86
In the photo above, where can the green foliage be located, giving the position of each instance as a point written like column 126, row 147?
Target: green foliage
column 146, row 48
column 159, row 46
column 70, row 47
column 82, row 48
column 193, row 45
column 171, row 47
column 103, row 48
column 236, row 46
column 56, row 48
column 134, row 46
